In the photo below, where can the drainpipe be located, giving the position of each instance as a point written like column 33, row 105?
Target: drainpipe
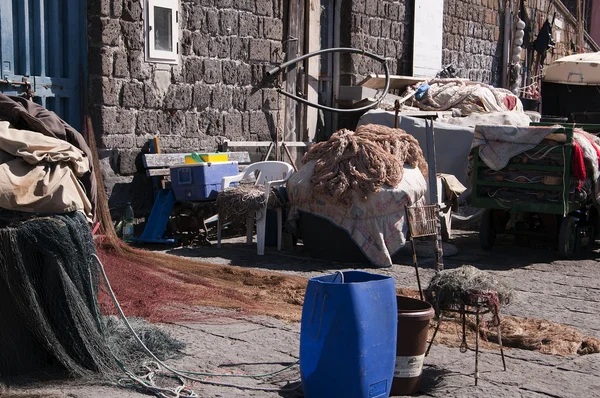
column 336, row 60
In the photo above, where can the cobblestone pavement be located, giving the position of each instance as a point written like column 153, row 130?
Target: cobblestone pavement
column 557, row 290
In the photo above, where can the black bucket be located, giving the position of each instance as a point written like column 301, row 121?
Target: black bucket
column 413, row 328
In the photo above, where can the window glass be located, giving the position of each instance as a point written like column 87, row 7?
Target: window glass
column 163, row 31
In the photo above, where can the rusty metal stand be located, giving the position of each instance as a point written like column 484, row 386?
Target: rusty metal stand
column 477, row 309
column 424, row 221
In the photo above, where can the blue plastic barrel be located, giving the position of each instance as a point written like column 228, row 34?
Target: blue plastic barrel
column 348, row 336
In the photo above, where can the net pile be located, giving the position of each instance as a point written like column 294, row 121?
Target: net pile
column 47, row 298
column 362, row 162
column 235, row 203
column 128, row 350
column 466, row 285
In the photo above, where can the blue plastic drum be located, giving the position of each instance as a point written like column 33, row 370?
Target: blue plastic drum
column 348, row 336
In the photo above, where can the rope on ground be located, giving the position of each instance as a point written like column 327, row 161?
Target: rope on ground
column 362, row 162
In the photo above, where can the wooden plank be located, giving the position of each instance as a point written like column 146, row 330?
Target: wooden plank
column 39, row 34
column 240, row 157
column 158, row 172
column 154, row 160
column 397, row 82
column 161, row 160
column 55, row 40
column 312, row 28
column 291, row 52
column 357, row 93
column 7, row 50
column 25, row 43
column 255, row 144
column 166, row 171
column 432, row 169
column 156, row 144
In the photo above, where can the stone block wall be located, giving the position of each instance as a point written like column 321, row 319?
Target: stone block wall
column 472, row 38
column 472, row 30
column 225, row 48
column 472, row 41
column 381, row 27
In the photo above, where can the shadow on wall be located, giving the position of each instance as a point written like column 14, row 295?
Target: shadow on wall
column 139, row 191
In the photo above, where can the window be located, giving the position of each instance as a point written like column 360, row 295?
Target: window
column 162, row 31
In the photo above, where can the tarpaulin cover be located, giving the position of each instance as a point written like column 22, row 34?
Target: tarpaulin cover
column 39, row 174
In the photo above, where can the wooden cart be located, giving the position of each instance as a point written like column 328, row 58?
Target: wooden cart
column 569, row 224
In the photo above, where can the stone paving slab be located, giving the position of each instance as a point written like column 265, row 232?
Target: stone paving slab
column 545, row 287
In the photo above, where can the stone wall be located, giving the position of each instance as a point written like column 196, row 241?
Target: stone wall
column 473, row 31
column 380, row 27
column 225, row 47
column 472, row 39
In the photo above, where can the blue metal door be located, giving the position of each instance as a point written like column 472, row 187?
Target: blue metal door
column 43, row 53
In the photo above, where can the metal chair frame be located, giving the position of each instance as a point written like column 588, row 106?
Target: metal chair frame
column 478, row 309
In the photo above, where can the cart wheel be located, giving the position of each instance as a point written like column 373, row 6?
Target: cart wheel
column 487, row 233
column 567, row 237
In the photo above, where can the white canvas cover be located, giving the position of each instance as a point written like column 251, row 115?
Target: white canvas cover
column 579, row 69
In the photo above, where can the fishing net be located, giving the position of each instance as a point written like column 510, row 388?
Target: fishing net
column 48, row 302
column 531, row 334
column 362, row 162
column 47, row 298
column 124, row 346
column 165, row 288
column 467, row 285
column 236, row 203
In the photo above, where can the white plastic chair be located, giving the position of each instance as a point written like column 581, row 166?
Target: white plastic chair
column 270, row 174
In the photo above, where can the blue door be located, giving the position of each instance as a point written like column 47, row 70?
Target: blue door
column 43, row 53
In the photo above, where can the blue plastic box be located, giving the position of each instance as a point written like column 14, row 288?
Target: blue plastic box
column 202, row 181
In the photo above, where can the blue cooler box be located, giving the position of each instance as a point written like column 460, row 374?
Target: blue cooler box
column 200, row 181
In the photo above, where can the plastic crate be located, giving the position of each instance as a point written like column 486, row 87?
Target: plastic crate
column 201, row 181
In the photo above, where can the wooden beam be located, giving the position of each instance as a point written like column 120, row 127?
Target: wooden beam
column 253, row 144
column 291, row 52
column 154, row 160
column 313, row 31
column 397, row 82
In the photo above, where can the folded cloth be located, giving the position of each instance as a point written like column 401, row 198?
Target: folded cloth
column 452, row 188
column 27, row 115
column 40, row 174
column 509, row 102
column 498, row 144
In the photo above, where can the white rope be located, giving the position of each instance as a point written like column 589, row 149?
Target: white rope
column 532, row 157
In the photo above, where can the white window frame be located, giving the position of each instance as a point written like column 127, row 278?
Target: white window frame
column 160, row 56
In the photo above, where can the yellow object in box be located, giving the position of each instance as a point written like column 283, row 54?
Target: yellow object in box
column 206, row 157
column 214, row 157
